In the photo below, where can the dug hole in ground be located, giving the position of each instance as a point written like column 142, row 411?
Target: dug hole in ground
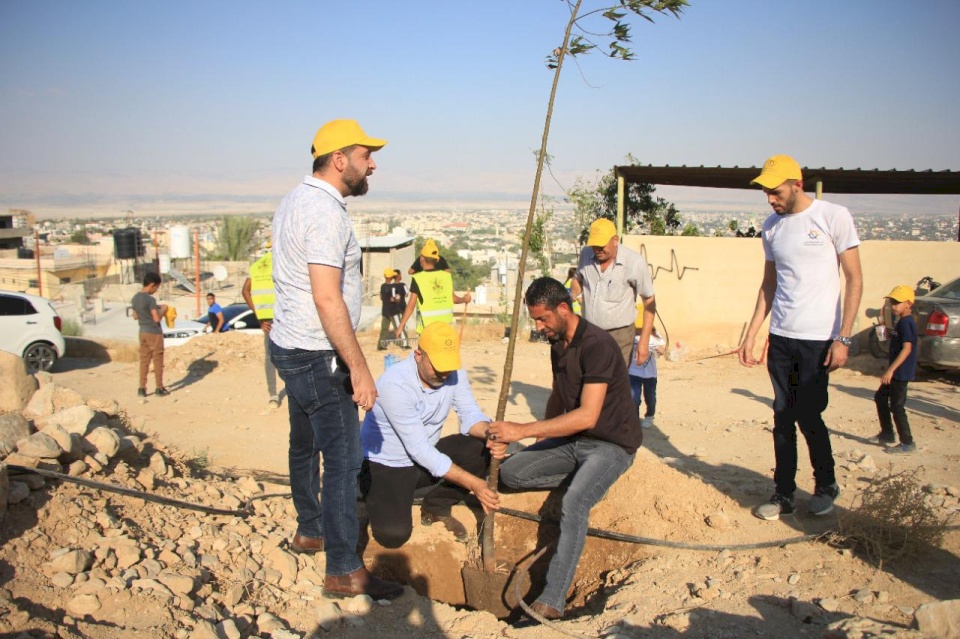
column 706, row 462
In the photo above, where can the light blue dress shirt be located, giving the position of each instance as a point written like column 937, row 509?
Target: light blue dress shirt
column 404, row 426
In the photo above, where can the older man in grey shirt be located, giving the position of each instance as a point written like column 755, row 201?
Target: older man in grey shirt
column 609, row 279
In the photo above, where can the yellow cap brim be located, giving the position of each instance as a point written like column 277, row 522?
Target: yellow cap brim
column 769, row 181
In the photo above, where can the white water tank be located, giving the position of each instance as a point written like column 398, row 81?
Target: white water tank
column 180, row 242
column 164, row 263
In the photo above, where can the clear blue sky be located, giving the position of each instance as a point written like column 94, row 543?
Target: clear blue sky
column 120, row 104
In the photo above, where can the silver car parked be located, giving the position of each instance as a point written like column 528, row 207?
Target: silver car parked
column 938, row 323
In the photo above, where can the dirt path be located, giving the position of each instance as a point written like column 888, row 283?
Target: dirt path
column 707, row 461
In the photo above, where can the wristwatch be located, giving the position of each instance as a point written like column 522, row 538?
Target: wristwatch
column 846, row 341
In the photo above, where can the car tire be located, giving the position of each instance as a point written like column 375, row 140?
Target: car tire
column 39, row 356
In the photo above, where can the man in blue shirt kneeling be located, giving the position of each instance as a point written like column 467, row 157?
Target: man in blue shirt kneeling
column 403, row 450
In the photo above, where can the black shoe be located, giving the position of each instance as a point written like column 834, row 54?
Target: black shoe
column 778, row 505
column 451, row 524
column 162, row 392
column 141, row 392
column 882, row 440
column 822, row 501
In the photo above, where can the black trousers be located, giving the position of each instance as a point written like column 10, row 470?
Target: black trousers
column 389, row 492
column 799, row 397
column 891, row 401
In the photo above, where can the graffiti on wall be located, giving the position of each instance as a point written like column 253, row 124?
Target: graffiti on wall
column 675, row 266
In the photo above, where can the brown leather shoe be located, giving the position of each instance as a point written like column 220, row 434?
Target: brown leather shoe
column 302, row 543
column 360, row 582
column 451, row 524
column 545, row 611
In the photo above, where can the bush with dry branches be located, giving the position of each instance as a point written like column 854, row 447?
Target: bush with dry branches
column 891, row 520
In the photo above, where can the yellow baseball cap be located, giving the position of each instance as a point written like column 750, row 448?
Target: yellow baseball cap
column 389, row 272
column 601, row 232
column 902, row 293
column 430, row 250
column 337, row 134
column 442, row 345
column 777, row 170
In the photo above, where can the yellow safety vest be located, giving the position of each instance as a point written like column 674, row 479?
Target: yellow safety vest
column 261, row 287
column 435, row 301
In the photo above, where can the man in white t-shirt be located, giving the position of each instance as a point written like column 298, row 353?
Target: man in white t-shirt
column 806, row 244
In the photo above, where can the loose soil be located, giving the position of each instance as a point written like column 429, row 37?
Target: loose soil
column 706, row 462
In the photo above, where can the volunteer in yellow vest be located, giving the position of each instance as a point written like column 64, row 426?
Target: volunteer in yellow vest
column 258, row 293
column 431, row 292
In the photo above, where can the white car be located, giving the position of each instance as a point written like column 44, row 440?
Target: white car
column 30, row 328
column 237, row 317
column 181, row 333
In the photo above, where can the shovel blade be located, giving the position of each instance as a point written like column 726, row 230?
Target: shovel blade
column 493, row 591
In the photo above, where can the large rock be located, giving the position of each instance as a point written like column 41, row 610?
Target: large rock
column 18, row 386
column 50, row 399
column 109, row 407
column 105, row 441
column 69, row 443
column 13, row 428
column 72, row 562
column 939, row 619
column 76, row 419
column 39, row 445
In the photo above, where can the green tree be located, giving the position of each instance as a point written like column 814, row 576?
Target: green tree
column 80, row 237
column 236, row 238
column 643, row 211
column 690, row 230
column 540, row 239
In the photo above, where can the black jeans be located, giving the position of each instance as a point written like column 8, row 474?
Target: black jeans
column 389, row 491
column 799, row 397
column 891, row 400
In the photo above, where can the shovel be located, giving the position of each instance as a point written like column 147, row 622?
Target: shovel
column 486, row 588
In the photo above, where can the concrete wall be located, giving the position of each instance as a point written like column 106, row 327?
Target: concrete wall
column 706, row 287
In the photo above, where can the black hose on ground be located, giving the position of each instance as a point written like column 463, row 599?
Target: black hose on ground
column 247, row 509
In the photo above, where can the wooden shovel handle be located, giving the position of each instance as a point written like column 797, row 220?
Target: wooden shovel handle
column 487, row 549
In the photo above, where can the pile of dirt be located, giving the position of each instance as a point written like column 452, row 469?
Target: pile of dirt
column 222, row 351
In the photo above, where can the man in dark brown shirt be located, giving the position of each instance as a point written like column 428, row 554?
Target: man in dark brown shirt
column 587, row 438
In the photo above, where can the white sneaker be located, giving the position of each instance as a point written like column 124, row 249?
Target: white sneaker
column 274, row 402
column 646, row 422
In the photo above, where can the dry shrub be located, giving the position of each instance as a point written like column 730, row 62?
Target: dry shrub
column 891, row 520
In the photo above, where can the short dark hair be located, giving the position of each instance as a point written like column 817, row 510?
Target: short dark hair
column 151, row 278
column 548, row 292
column 211, row 295
column 321, row 162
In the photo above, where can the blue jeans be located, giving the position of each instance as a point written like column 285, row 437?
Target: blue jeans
column 323, row 420
column 647, row 386
column 594, row 465
column 799, row 397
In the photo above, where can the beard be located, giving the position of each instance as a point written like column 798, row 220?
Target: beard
column 355, row 180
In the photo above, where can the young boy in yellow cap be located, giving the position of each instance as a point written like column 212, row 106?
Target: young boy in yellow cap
column 891, row 397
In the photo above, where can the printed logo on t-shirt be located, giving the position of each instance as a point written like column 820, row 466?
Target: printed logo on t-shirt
column 815, row 238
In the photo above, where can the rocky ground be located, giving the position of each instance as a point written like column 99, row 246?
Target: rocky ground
column 81, row 561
